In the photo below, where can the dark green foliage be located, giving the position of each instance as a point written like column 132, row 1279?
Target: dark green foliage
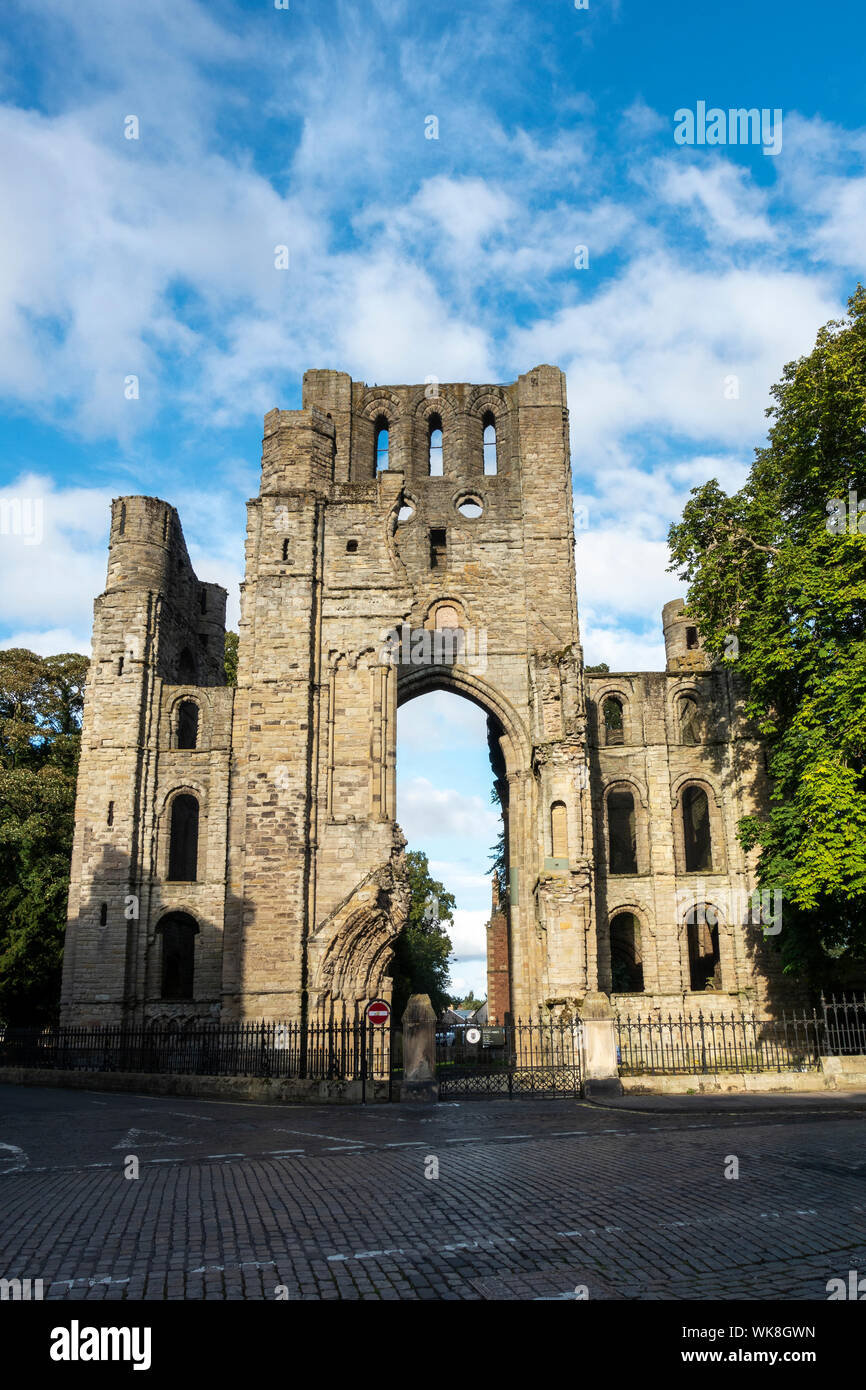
column 40, row 719
column 231, row 658
column 423, row 949
column 777, row 584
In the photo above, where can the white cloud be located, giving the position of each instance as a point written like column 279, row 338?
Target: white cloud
column 469, row 935
column 653, row 350
column 440, row 722
column 726, row 203
column 424, row 810
column 53, row 554
column 49, row 642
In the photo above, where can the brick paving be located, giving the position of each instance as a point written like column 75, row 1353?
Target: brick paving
column 533, row 1199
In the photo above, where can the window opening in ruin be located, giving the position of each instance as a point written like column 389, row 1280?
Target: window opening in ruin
column 187, row 724
column 178, row 934
column 705, row 969
column 382, row 444
column 489, row 428
column 688, row 712
column 183, row 845
column 696, row 831
column 626, row 963
column 621, row 833
column 438, row 549
column 613, row 721
column 435, row 447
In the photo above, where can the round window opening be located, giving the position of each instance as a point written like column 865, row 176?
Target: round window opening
column 470, row 507
column 406, row 513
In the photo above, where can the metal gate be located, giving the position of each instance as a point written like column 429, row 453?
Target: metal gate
column 517, row 1059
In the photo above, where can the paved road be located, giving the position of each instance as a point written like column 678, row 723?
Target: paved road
column 533, row 1199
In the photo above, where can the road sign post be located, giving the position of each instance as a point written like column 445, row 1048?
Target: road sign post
column 376, row 1015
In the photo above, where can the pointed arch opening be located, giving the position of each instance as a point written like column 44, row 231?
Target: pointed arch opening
column 453, row 804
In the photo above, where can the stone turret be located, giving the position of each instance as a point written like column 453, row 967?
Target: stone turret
column 683, row 650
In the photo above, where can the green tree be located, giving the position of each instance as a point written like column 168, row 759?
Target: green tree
column 498, row 856
column 422, row 951
column 41, row 701
column 777, row 584
column 231, row 658
column 470, row 1002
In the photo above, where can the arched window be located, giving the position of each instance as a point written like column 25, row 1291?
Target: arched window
column 178, row 934
column 626, row 964
column 697, row 840
column 613, row 721
column 687, row 710
column 435, row 446
column 559, row 830
column 488, row 425
column 187, row 724
column 183, row 844
column 705, row 970
column 187, row 673
column 622, row 840
column 381, row 429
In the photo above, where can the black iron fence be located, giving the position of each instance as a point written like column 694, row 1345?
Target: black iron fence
column 518, row 1058
column 321, row 1051
column 737, row 1043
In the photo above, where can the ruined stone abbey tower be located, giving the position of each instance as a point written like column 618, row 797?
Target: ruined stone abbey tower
column 236, row 850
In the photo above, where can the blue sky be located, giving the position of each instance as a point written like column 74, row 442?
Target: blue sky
column 409, row 257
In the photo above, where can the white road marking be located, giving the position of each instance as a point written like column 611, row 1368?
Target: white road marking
column 368, row 1254
column 14, row 1156
column 311, row 1134
column 135, row 1139
column 225, row 1155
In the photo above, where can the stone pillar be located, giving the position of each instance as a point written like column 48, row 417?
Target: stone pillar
column 419, row 1051
column 600, row 1075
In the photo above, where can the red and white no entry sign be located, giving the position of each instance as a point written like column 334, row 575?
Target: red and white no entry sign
column 378, row 1012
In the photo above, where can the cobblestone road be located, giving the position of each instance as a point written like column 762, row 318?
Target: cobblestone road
column 532, row 1198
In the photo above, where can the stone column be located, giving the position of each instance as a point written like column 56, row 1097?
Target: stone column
column 600, row 1075
column 419, row 1051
